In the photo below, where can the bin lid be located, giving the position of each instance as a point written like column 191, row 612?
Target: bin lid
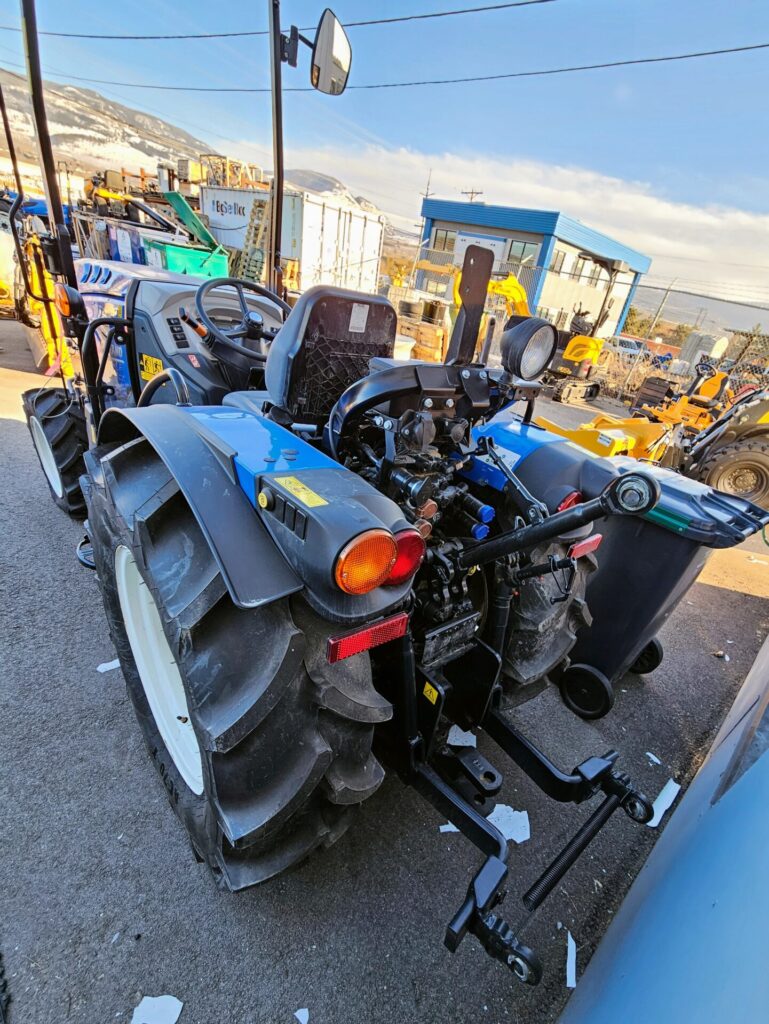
column 695, row 510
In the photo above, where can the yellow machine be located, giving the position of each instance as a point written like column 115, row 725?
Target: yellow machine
column 613, row 435
column 577, row 354
column 509, row 288
column 37, row 311
column 696, row 409
column 648, row 436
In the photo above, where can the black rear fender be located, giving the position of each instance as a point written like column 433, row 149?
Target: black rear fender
column 288, row 541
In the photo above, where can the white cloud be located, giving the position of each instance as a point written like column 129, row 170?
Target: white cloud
column 697, row 245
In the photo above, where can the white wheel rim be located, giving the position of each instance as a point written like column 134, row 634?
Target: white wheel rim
column 46, row 456
column 158, row 670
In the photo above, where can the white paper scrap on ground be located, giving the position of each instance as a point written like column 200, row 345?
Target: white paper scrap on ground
column 107, row 666
column 157, row 1010
column 653, row 757
column 664, row 800
column 511, row 823
column 302, row 1016
column 514, row 825
column 459, row 738
column 571, row 961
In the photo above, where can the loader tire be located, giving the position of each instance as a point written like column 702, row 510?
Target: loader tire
column 59, row 436
column 264, row 748
column 740, row 468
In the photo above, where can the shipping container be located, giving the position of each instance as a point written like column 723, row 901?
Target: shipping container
column 333, row 241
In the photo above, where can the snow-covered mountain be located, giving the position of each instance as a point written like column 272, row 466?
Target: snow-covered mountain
column 91, row 132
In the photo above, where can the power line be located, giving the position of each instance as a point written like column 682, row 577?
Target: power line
column 306, row 28
column 433, row 81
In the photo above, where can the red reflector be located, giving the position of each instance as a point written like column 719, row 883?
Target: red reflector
column 411, row 551
column 575, row 498
column 584, row 547
column 345, row 646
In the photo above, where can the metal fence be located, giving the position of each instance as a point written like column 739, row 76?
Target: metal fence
column 621, row 374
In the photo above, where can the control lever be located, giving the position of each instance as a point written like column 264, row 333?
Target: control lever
column 535, row 511
column 632, row 494
column 192, row 323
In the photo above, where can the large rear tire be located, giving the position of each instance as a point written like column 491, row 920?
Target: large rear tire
column 263, row 747
column 740, row 468
column 59, row 436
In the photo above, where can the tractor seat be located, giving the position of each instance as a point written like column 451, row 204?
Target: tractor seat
column 324, row 346
column 703, row 402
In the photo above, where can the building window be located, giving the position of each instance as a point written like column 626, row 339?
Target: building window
column 523, row 252
column 595, row 275
column 558, row 257
column 444, row 240
column 435, row 286
column 579, row 269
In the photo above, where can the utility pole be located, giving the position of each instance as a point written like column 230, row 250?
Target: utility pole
column 472, row 193
column 660, row 308
column 422, row 240
column 274, row 270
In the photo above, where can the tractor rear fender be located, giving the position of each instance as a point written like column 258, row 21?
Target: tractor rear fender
column 253, row 569
column 274, row 510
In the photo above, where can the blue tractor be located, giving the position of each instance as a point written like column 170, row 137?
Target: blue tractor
column 315, row 559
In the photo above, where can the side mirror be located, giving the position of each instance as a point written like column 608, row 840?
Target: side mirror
column 331, row 56
column 528, row 347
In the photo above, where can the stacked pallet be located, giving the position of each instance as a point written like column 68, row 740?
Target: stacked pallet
column 430, row 340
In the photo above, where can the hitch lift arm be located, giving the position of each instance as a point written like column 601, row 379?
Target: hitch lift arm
column 454, row 781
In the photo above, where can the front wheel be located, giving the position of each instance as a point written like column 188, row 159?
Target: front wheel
column 741, row 468
column 264, row 748
column 58, row 433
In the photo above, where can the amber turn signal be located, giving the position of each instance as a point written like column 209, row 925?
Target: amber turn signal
column 61, row 299
column 365, row 562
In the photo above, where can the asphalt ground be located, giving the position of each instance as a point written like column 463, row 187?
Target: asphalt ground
column 103, row 902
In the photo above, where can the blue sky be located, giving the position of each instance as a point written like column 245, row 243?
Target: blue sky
column 692, row 132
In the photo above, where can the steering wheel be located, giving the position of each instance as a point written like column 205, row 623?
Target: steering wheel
column 251, row 325
column 706, row 370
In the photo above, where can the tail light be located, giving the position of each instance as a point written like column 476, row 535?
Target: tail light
column 571, row 499
column 411, row 552
column 586, row 546
column 366, row 562
column 345, row 646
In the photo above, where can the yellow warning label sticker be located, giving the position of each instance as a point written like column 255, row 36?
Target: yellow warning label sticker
column 430, row 692
column 149, row 366
column 300, row 491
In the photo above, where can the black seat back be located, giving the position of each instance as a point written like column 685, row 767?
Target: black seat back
column 324, row 346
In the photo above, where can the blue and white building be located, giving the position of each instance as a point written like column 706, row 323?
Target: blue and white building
column 562, row 263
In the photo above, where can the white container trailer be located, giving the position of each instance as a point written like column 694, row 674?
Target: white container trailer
column 333, row 241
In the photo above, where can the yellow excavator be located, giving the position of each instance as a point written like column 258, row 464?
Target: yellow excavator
column 577, row 356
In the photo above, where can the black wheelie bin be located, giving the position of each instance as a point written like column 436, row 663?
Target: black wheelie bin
column 664, row 552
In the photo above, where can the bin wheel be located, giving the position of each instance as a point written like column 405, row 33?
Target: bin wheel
column 649, row 658
column 586, row 691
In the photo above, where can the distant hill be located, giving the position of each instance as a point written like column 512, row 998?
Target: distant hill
column 91, row 132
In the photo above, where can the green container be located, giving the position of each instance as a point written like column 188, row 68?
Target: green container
column 184, row 259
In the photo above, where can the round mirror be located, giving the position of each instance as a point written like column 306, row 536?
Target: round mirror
column 331, row 56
